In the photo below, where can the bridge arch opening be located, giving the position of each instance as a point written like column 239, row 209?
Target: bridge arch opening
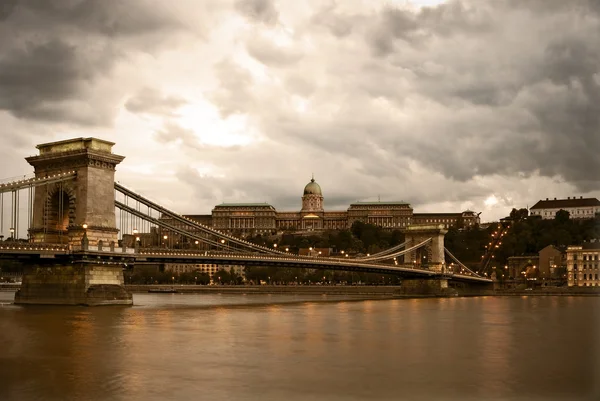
column 59, row 211
column 59, row 214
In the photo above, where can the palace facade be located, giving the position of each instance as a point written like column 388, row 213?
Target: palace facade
column 243, row 219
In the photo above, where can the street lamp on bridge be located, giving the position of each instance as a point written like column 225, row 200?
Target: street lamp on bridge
column 165, row 238
column 137, row 237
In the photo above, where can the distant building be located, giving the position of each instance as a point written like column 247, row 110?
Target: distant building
column 517, row 265
column 551, row 259
column 467, row 218
column 578, row 208
column 208, row 268
column 583, row 265
column 243, row 219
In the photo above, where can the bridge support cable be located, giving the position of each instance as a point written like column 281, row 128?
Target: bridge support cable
column 460, row 263
column 384, row 252
column 195, row 225
column 399, row 253
column 152, row 220
column 22, row 184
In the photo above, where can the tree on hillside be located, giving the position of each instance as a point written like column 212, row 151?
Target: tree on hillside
column 519, row 214
column 562, row 217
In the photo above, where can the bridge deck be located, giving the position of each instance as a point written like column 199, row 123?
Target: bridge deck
column 146, row 256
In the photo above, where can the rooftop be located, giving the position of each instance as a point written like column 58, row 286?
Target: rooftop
column 264, row 204
column 564, row 203
column 379, row 203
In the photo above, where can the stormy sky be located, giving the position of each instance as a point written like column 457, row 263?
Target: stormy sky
column 449, row 105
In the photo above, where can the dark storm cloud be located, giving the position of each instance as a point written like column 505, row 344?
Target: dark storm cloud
column 36, row 79
column 554, row 6
column 262, row 11
column 106, row 17
column 548, row 87
column 6, row 8
column 153, row 102
column 392, row 25
column 55, row 53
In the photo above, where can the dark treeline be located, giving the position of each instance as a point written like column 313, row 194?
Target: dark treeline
column 258, row 275
column 529, row 234
column 361, row 238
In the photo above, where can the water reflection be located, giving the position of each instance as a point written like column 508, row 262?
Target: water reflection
column 272, row 348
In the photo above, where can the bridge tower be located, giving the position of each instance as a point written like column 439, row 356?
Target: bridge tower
column 67, row 212
column 430, row 255
column 64, row 211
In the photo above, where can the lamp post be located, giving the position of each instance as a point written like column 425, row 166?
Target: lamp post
column 12, row 233
column 223, row 248
column 84, row 240
column 137, row 238
column 165, row 237
column 197, row 242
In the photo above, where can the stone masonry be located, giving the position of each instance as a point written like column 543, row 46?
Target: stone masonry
column 73, row 284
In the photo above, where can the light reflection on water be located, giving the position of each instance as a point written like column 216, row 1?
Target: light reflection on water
column 285, row 347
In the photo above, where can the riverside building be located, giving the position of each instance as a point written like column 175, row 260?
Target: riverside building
column 583, row 265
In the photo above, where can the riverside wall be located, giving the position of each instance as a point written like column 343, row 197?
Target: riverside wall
column 360, row 290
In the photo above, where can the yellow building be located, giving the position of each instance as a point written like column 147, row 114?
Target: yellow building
column 583, row 265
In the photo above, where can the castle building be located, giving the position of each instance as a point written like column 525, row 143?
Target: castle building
column 578, row 208
column 243, row 219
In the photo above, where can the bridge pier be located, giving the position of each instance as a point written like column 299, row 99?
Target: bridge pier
column 77, row 283
column 428, row 286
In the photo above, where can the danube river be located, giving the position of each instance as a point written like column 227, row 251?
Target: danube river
column 286, row 347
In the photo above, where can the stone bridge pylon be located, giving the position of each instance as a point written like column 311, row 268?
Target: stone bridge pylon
column 66, row 210
column 432, row 254
column 78, row 204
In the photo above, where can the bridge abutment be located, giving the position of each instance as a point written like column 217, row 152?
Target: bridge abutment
column 73, row 284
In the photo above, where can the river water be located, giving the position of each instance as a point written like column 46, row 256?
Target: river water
column 285, row 347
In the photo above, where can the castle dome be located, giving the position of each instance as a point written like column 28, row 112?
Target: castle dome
column 312, row 188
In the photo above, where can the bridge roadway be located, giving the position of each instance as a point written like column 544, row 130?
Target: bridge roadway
column 129, row 257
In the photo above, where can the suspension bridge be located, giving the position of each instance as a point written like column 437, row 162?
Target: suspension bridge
column 75, row 229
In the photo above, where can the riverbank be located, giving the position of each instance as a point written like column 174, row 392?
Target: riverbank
column 362, row 290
